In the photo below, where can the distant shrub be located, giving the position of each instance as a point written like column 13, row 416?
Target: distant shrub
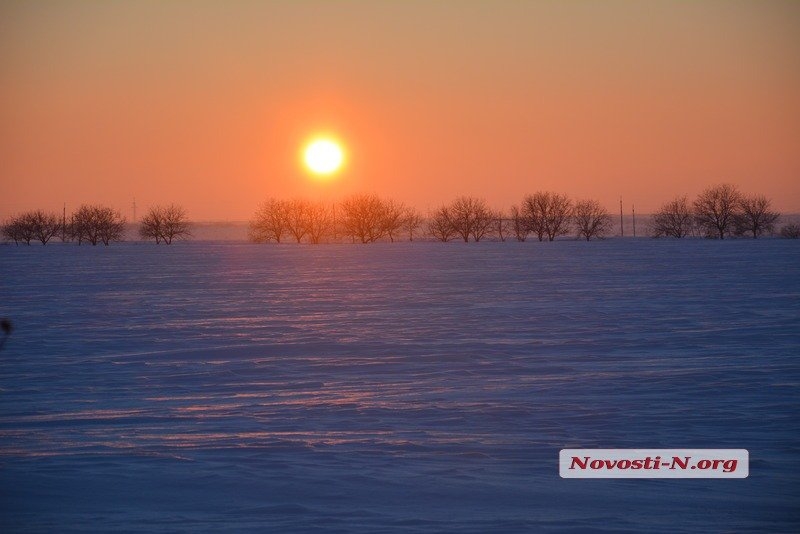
column 791, row 231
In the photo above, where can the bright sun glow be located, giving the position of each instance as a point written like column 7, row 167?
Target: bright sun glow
column 323, row 156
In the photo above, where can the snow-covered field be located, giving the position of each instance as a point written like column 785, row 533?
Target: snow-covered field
column 408, row 387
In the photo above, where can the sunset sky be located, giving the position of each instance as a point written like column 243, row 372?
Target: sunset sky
column 208, row 104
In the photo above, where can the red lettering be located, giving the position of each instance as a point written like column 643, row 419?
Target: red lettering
column 729, row 465
column 678, row 463
column 576, row 460
column 597, row 464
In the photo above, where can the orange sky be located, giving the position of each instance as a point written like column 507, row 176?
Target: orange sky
column 206, row 103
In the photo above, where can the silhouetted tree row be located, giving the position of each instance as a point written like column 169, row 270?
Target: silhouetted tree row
column 464, row 218
column 32, row 226
column 361, row 218
column 94, row 224
column 549, row 215
column 367, row 218
column 91, row 224
column 718, row 212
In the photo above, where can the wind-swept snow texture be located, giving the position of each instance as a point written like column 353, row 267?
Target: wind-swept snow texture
column 417, row 387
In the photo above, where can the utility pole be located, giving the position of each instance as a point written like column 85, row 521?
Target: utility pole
column 134, row 209
column 64, row 223
column 621, row 230
column 633, row 212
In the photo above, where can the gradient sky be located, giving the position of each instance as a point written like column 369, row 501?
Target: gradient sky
column 207, row 103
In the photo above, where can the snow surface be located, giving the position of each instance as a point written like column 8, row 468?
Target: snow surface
column 407, row 387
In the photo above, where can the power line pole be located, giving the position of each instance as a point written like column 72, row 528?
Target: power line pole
column 64, row 223
column 134, row 209
column 633, row 212
column 621, row 230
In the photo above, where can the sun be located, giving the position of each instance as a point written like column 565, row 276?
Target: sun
column 323, row 156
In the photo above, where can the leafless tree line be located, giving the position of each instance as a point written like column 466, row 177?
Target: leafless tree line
column 548, row 215
column 32, row 226
column 360, row 218
column 94, row 224
column 367, row 218
column 90, row 223
column 718, row 212
column 545, row 215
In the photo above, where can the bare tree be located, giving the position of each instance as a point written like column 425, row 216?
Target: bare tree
column 393, row 213
column 150, row 225
column 673, row 219
column 502, row 225
column 45, row 226
column 19, row 230
column 548, row 214
column 520, row 225
column 534, row 208
column 31, row 225
column 296, row 219
column 111, row 225
column 319, row 221
column 591, row 219
column 175, row 224
column 754, row 216
column 363, row 218
column 83, row 226
column 270, row 222
column 791, row 231
column 470, row 217
column 440, row 226
column 715, row 208
column 98, row 224
column 411, row 221
column 165, row 223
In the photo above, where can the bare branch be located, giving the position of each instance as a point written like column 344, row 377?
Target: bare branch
column 715, row 208
column 673, row 219
column 591, row 219
column 755, row 217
